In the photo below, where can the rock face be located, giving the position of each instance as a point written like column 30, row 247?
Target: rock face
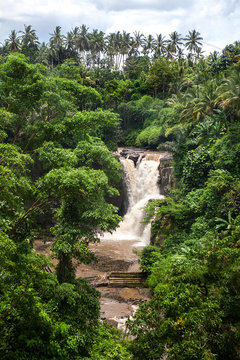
column 165, row 174
column 121, row 200
column 132, row 154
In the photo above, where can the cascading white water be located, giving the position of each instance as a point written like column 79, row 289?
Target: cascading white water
column 141, row 182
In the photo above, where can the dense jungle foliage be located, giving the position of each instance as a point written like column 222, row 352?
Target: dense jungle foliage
column 64, row 107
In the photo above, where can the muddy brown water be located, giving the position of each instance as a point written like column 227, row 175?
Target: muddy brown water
column 117, row 304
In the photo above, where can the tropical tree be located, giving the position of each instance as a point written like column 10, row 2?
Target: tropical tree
column 57, row 38
column 21, row 88
column 136, row 43
column 174, row 43
column 125, row 45
column 56, row 45
column 205, row 103
column 29, row 37
column 13, row 42
column 160, row 46
column 69, row 44
column 82, row 41
column 149, row 45
column 97, row 46
column 229, row 93
column 29, row 42
column 193, row 42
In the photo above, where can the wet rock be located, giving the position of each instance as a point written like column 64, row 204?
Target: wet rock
column 107, row 264
column 165, row 174
column 112, row 322
column 130, row 154
column 121, row 200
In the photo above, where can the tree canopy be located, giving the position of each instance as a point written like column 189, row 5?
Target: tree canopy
column 65, row 106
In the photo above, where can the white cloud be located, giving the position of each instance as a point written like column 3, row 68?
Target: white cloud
column 157, row 5
column 217, row 21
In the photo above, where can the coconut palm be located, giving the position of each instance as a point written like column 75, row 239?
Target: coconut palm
column 96, row 45
column 206, row 100
column 56, row 38
column 13, row 42
column 125, row 45
column 111, row 48
column 188, row 102
column 42, row 56
column 193, row 42
column 175, row 43
column 160, row 46
column 75, row 35
column 29, row 37
column 82, row 41
column 69, row 44
column 199, row 53
column 136, row 42
column 229, row 93
column 149, row 45
column 56, row 45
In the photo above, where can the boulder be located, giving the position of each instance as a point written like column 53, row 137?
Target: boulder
column 130, row 154
column 112, row 322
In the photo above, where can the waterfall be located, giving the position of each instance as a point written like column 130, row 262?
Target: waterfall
column 141, row 182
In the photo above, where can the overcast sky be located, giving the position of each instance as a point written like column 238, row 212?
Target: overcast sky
column 218, row 21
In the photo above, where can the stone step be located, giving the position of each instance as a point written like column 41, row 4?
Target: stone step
column 127, row 279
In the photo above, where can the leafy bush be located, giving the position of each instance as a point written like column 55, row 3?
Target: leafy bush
column 196, row 167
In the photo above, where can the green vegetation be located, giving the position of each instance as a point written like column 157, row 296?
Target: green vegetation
column 64, row 107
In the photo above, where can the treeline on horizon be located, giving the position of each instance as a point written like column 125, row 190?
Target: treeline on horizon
column 99, row 49
column 61, row 116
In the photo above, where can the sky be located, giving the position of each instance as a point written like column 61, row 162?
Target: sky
column 218, row 21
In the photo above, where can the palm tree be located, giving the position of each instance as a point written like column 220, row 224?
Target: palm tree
column 75, row 34
column 118, row 44
column 56, row 38
column 136, row 42
column 111, row 48
column 199, row 53
column 42, row 56
column 125, row 45
column 96, row 46
column 13, row 42
column 56, row 44
column 82, row 41
column 203, row 100
column 29, row 37
column 69, row 43
column 229, row 93
column 160, row 46
column 192, row 42
column 175, row 43
column 188, row 101
column 149, row 45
